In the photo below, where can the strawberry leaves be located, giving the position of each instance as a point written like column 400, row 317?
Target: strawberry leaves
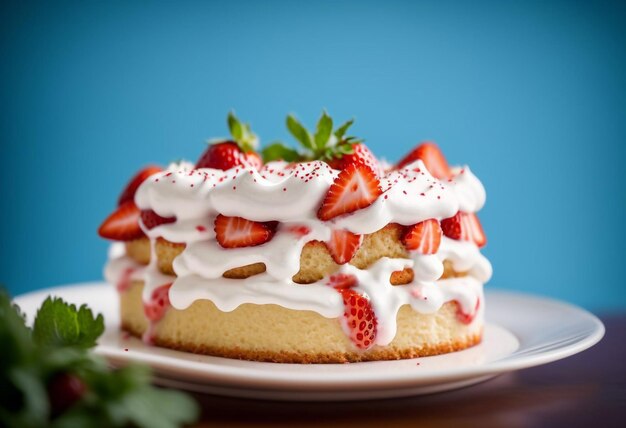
column 324, row 144
column 278, row 151
column 300, row 133
column 323, row 130
column 341, row 131
column 242, row 133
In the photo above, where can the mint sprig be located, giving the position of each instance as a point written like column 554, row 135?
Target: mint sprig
column 61, row 324
column 42, row 367
column 323, row 144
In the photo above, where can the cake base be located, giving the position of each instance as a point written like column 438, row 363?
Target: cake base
column 273, row 333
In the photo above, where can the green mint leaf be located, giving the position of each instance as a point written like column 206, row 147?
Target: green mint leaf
column 323, row 130
column 57, row 346
column 125, row 397
column 278, row 151
column 299, row 132
column 341, row 131
column 60, row 324
column 235, row 127
column 15, row 337
column 28, row 388
column 173, row 408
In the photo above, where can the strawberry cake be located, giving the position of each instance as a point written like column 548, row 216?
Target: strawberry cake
column 320, row 254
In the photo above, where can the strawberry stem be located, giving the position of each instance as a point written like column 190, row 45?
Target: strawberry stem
column 324, row 144
column 242, row 133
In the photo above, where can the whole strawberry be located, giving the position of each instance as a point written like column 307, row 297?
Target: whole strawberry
column 433, row 158
column 227, row 154
column 360, row 155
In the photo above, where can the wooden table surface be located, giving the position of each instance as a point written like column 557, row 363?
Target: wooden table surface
column 588, row 389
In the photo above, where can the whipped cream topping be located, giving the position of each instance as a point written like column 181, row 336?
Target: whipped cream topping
column 287, row 193
column 292, row 195
column 468, row 190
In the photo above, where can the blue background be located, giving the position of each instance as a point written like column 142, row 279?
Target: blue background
column 531, row 95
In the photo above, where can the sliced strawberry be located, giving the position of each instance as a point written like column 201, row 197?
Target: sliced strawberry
column 235, row 232
column 343, row 245
column 359, row 317
column 131, row 188
column 360, row 155
column 299, row 231
column 150, row 219
column 433, row 159
column 342, row 281
column 354, row 188
column 123, row 224
column 158, row 304
column 465, row 318
column 464, row 227
column 125, row 280
column 423, row 237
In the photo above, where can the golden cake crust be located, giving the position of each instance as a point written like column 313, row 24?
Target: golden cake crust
column 277, row 334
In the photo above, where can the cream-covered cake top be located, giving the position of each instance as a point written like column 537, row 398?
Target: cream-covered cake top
column 231, row 209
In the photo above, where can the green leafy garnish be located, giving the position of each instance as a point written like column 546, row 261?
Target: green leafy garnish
column 49, row 379
column 300, row 133
column 323, row 130
column 242, row 133
column 61, row 324
column 324, row 144
column 278, row 151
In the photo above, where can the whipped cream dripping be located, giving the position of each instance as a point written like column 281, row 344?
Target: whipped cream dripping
column 292, row 195
column 386, row 299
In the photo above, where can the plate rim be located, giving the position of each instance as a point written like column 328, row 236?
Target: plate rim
column 227, row 375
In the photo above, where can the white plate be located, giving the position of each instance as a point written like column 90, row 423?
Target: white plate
column 522, row 331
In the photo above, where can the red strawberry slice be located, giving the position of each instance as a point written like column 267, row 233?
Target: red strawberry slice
column 465, row 318
column 150, row 219
column 354, row 188
column 359, row 317
column 343, row 245
column 342, row 281
column 158, row 304
column 131, row 188
column 423, row 237
column 123, row 224
column 235, row 232
column 432, row 157
column 464, row 227
column 227, row 155
column 361, row 154
column 299, row 231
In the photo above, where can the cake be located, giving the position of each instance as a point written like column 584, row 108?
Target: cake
column 322, row 254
